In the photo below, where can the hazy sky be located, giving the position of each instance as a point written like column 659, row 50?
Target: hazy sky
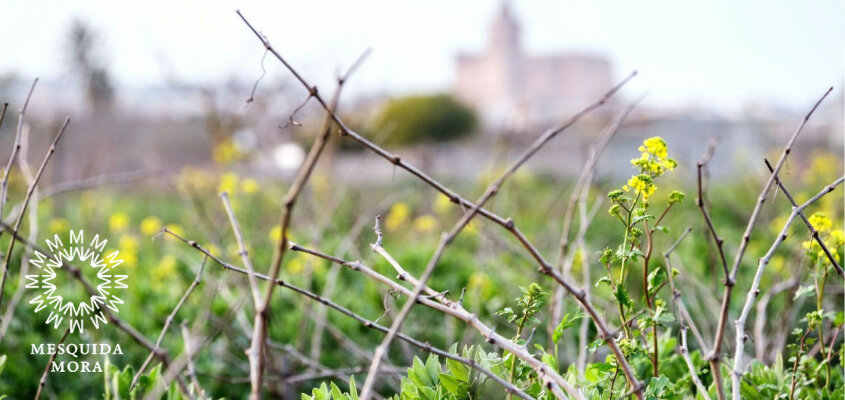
column 718, row 53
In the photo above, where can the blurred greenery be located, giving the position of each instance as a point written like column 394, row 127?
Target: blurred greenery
column 336, row 217
column 424, row 118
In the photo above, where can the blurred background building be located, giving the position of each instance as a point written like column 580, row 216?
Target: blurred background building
column 509, row 86
column 514, row 90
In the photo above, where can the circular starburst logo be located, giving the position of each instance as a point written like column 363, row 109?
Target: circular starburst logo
column 79, row 256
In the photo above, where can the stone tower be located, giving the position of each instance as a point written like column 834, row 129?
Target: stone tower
column 509, row 88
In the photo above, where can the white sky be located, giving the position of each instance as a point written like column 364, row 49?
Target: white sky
column 718, row 53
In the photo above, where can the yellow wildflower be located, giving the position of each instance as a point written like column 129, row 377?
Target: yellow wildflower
column 128, row 244
column 478, row 280
column 129, row 259
column 191, row 177
column 276, row 234
column 425, row 223
column 777, row 263
column 129, row 250
column 397, row 216
column 214, row 250
column 59, row 225
column 822, row 169
column 165, row 269
column 837, row 238
column 226, row 151
column 642, row 184
column 228, row 183
column 150, row 225
column 654, row 158
column 250, row 186
column 820, row 221
column 295, row 265
column 834, row 242
column 118, row 222
column 471, row 228
column 656, row 146
column 442, row 204
column 176, row 229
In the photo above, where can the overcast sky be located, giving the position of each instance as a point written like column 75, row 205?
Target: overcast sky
column 719, row 53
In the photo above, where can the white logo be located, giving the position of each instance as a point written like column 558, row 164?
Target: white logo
column 87, row 256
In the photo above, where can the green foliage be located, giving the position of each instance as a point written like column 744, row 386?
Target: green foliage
column 333, row 392
column 491, row 270
column 528, row 304
column 118, row 384
column 417, row 119
column 430, row 380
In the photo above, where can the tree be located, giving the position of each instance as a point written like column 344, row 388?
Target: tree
column 84, row 53
column 425, row 118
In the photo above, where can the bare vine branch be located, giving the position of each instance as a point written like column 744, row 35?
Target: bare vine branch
column 754, row 291
column 43, row 380
column 813, row 231
column 715, row 352
column 167, row 323
column 25, row 203
column 4, row 184
column 367, row 323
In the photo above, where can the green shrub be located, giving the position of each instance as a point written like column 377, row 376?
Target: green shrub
column 431, row 118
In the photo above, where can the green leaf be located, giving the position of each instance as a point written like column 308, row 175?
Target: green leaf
column 353, row 390
column 656, row 278
column 453, row 385
column 419, row 374
column 566, row 322
column 641, row 218
column 432, row 365
column 458, row 370
column 505, row 311
column 621, row 295
column 606, row 256
column 605, row 280
column 427, row 393
column 803, row 291
column 337, row 394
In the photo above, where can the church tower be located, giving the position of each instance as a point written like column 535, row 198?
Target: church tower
column 504, row 33
column 505, row 57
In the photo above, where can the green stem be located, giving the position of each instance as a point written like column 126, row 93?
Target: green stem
column 819, row 298
column 513, row 360
column 795, row 364
column 624, row 259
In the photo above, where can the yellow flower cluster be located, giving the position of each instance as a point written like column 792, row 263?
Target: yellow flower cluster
column 654, row 158
column 228, row 183
column 151, row 225
column 425, row 223
column 226, row 151
column 834, row 239
column 231, row 183
column 821, row 222
column 59, row 225
column 195, row 178
column 653, row 161
column 442, row 204
column 642, row 184
column 164, row 270
column 397, row 216
column 129, row 250
column 118, row 222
